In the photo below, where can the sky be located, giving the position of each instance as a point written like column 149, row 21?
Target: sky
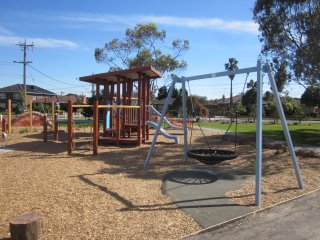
column 65, row 34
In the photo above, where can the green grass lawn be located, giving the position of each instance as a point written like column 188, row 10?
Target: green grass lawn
column 300, row 133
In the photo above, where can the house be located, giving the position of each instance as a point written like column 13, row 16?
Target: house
column 159, row 104
column 222, row 105
column 13, row 92
column 64, row 99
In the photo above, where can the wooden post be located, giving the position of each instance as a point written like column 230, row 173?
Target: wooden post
column 4, row 125
column 97, row 91
column 148, row 103
column 139, row 109
column 144, row 93
column 105, row 98
column 111, row 109
column 95, row 141
column 9, row 117
column 124, row 101
column 52, row 112
column 26, row 226
column 130, row 88
column 118, row 113
column 45, row 128
column 70, row 128
column 56, row 127
column 30, row 115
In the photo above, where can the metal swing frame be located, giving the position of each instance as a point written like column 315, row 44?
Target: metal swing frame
column 259, row 69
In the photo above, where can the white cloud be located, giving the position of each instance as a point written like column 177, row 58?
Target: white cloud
column 5, row 31
column 208, row 23
column 39, row 42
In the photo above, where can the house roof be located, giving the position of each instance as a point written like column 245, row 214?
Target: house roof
column 235, row 99
column 31, row 89
column 131, row 74
column 162, row 101
column 62, row 99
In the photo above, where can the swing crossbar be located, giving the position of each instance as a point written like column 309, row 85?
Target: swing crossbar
column 217, row 74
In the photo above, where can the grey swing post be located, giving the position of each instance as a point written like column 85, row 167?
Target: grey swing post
column 259, row 69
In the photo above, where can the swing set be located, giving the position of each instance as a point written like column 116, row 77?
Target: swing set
column 215, row 155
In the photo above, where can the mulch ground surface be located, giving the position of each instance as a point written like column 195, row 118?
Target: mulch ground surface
column 111, row 196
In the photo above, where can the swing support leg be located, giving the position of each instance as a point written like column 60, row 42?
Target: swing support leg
column 164, row 110
column 185, row 130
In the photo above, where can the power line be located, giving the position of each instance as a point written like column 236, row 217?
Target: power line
column 55, row 85
column 50, row 76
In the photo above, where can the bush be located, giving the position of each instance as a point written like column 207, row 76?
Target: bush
column 18, row 108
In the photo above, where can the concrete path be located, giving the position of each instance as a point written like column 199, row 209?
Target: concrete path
column 295, row 220
column 201, row 193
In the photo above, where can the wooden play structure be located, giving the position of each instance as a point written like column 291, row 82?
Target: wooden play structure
column 119, row 109
column 27, row 120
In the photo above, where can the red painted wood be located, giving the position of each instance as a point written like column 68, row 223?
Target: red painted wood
column 112, row 124
column 105, row 97
column 139, row 109
column 95, row 128
column 4, row 125
column 97, row 91
column 147, row 112
column 118, row 111
column 144, row 93
column 124, row 101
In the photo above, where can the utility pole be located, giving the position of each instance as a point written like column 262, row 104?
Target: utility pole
column 24, row 47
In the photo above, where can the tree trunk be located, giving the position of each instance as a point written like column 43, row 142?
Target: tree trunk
column 26, row 226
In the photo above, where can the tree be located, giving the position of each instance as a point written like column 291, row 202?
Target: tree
column 281, row 75
column 290, row 107
column 144, row 45
column 270, row 108
column 290, row 32
column 162, row 93
column 311, row 96
column 196, row 106
column 249, row 99
column 231, row 65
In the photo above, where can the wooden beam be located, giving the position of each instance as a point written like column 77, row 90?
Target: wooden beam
column 124, row 101
column 52, row 111
column 97, row 91
column 95, row 141
column 70, row 128
column 111, row 103
column 105, row 99
column 56, row 127
column 144, row 93
column 139, row 109
column 9, row 116
column 148, row 103
column 45, row 128
column 30, row 115
column 118, row 112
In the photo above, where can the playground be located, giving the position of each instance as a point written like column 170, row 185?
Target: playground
column 85, row 196
column 111, row 188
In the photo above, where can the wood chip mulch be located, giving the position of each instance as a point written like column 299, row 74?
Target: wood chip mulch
column 111, row 196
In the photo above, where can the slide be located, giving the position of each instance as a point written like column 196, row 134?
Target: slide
column 163, row 132
column 172, row 126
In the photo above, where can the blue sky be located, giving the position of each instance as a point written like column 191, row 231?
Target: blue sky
column 65, row 34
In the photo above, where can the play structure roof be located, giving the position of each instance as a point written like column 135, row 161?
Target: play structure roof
column 128, row 74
